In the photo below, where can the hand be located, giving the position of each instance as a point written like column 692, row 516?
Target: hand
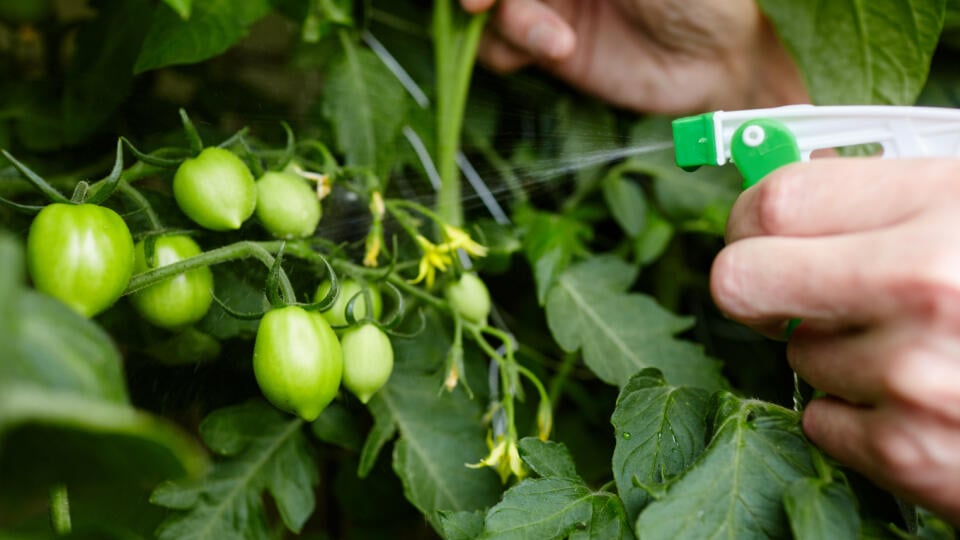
column 663, row 56
column 866, row 252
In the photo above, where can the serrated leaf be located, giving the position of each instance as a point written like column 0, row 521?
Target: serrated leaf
column 544, row 508
column 856, row 53
column 654, row 239
column 547, row 458
column 266, row 451
column 736, row 488
column 366, row 106
column 439, row 435
column 660, row 431
column 550, row 242
column 627, row 202
column 555, row 508
column 214, row 26
column 461, row 525
column 608, row 522
column 622, row 333
column 819, row 509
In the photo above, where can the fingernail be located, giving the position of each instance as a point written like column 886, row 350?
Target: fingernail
column 546, row 40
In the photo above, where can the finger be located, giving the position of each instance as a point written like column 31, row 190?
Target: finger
column 500, row 56
column 830, row 279
column 476, row 6
column 535, row 29
column 914, row 455
column 842, row 195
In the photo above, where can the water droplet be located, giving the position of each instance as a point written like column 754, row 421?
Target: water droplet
column 627, row 435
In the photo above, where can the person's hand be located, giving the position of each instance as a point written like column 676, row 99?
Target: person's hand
column 867, row 253
column 664, row 56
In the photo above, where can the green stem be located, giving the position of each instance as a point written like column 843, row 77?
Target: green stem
column 232, row 252
column 456, row 38
column 60, row 510
column 141, row 202
column 560, row 379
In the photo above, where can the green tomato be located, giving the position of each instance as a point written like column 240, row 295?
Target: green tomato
column 178, row 301
column 287, row 206
column 367, row 360
column 216, row 190
column 81, row 254
column 469, row 297
column 25, row 11
column 337, row 314
column 297, row 361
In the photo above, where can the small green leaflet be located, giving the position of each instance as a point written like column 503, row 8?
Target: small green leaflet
column 461, row 525
column 660, row 430
column 264, row 450
column 213, row 27
column 854, row 53
column 558, row 505
column 622, row 333
column 366, row 106
column 550, row 242
column 821, row 509
column 736, row 488
column 627, row 202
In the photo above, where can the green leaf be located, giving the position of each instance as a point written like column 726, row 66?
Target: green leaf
column 461, row 525
column 100, row 76
column 547, row 458
column 550, row 242
column 736, row 487
column 654, row 239
column 627, row 202
column 555, row 508
column 660, row 430
column 439, row 435
column 336, row 425
column 214, row 26
column 855, row 53
column 622, row 333
column 366, row 106
column 63, row 352
column 11, row 278
column 819, row 509
column 609, row 520
column 182, row 7
column 94, row 439
column 266, row 450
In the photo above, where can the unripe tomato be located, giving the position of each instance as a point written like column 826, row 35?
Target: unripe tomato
column 81, row 254
column 469, row 297
column 297, row 361
column 25, row 11
column 216, row 190
column 180, row 300
column 337, row 314
column 286, row 205
column 367, row 360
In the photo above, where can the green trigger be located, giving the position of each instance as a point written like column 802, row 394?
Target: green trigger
column 761, row 146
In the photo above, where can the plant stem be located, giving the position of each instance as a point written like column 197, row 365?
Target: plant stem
column 456, row 38
column 138, row 199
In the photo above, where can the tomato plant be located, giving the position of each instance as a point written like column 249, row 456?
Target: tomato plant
column 298, row 361
column 367, row 360
column 216, row 190
column 178, row 301
column 286, row 205
column 81, row 255
column 235, row 396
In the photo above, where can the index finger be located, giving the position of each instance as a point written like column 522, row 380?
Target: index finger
column 840, row 196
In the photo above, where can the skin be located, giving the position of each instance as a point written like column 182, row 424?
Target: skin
column 671, row 56
column 863, row 250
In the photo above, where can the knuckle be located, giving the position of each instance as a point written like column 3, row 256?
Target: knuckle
column 899, row 377
column 899, row 451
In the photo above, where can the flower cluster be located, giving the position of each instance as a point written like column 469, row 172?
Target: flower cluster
column 440, row 256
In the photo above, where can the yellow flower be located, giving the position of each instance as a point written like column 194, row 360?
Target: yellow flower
column 504, row 457
column 434, row 258
column 457, row 238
